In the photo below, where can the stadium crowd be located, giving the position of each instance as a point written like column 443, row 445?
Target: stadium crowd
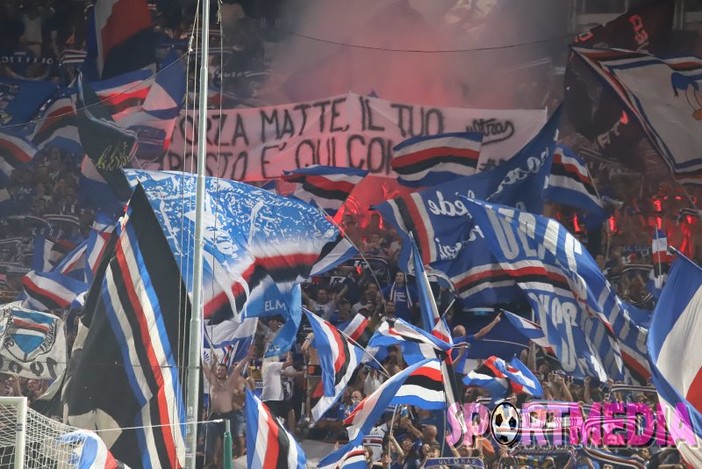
column 372, row 285
column 406, row 437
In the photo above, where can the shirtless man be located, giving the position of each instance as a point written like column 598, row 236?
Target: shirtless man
column 225, row 403
column 313, row 375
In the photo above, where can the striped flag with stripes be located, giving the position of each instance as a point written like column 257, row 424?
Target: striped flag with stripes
column 268, row 443
column 129, row 376
column 52, row 290
column 72, row 57
column 562, row 280
column 338, row 359
column 676, row 358
column 570, row 183
column 424, row 388
column 528, row 329
column 355, row 458
column 435, row 159
column 413, row 351
column 356, row 327
column 406, row 331
column 15, row 152
column 100, row 232
column 368, row 411
column 327, row 187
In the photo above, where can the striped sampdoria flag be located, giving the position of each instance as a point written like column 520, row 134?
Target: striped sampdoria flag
column 570, row 183
column 442, row 332
column 355, row 458
column 501, row 379
column 99, row 235
column 73, row 263
column 676, row 358
column 123, row 95
column 412, row 351
column 424, row 388
column 356, row 327
column 529, row 329
column 434, row 159
column 405, row 331
column 268, row 443
column 120, row 36
column 367, row 413
column 72, row 57
column 324, row 186
column 129, row 375
column 338, row 359
column 52, row 290
column 15, row 151
column 87, row 450
column 661, row 263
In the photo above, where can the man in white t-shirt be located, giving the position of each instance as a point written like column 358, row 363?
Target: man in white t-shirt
column 272, row 393
column 325, row 304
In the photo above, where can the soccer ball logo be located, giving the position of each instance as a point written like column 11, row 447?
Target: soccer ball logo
column 504, row 424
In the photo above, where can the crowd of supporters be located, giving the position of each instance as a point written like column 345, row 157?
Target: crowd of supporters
column 36, row 38
column 374, row 286
column 46, row 40
column 406, row 437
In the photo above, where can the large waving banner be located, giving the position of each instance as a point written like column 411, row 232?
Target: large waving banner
column 348, row 131
column 671, row 116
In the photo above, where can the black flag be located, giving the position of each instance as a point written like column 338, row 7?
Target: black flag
column 109, row 147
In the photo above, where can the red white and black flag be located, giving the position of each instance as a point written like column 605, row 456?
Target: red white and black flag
column 127, row 368
column 268, row 443
column 120, row 37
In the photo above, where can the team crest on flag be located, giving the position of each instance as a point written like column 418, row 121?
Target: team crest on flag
column 32, row 342
column 671, row 116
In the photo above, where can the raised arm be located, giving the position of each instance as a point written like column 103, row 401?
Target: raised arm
column 483, row 332
column 209, row 370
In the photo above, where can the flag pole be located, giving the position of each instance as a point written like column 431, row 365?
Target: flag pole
column 192, row 404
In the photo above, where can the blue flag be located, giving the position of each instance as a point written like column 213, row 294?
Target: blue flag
column 427, row 305
column 253, row 238
column 284, row 340
column 576, row 307
column 438, row 219
column 21, row 99
column 570, row 183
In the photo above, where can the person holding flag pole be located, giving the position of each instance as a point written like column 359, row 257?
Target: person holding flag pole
column 433, row 323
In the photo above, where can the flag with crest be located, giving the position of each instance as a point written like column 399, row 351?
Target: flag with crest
column 670, row 116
